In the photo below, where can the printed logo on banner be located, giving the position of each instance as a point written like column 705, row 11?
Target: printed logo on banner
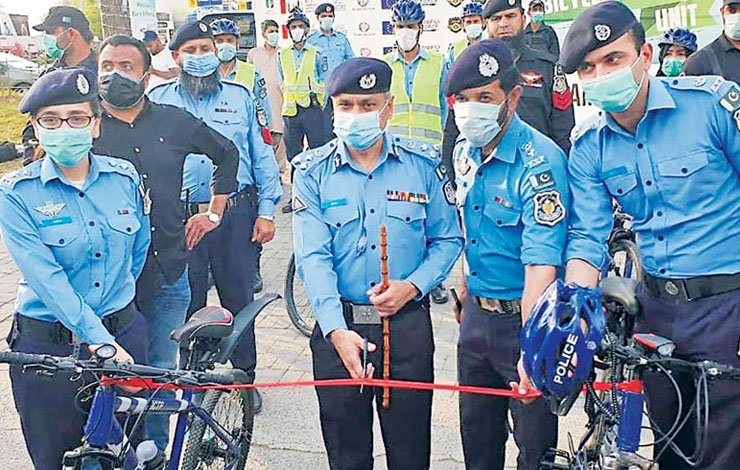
column 455, row 3
column 388, row 49
column 387, row 28
column 365, row 52
column 359, row 5
column 429, row 3
column 455, row 24
column 435, row 48
column 387, row 4
column 431, row 24
column 363, row 3
column 364, row 29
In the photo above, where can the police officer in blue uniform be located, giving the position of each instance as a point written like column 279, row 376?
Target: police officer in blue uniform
column 668, row 150
column 546, row 103
column 73, row 222
column 228, row 252
column 513, row 195
column 343, row 192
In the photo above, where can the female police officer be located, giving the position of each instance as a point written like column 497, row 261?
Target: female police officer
column 74, row 225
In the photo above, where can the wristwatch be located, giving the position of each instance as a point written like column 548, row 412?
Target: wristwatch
column 266, row 217
column 213, row 217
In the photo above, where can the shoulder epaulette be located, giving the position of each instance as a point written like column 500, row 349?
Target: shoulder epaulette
column 429, row 151
column 118, row 165
column 593, row 122
column 728, row 92
column 29, row 172
column 310, row 158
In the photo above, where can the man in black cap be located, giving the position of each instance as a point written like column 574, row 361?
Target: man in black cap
column 68, row 40
column 539, row 35
column 343, row 193
column 546, row 103
column 668, row 151
column 512, row 192
column 721, row 56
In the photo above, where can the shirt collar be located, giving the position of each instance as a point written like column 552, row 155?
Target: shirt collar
column 346, row 159
column 658, row 98
column 725, row 43
column 145, row 110
column 50, row 171
column 423, row 55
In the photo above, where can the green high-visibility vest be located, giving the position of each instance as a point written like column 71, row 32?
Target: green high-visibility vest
column 419, row 116
column 299, row 83
column 245, row 73
column 459, row 47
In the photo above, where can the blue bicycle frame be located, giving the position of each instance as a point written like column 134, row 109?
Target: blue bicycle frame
column 103, row 429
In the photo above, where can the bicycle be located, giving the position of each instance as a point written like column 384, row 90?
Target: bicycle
column 612, row 438
column 214, row 429
column 297, row 302
column 623, row 251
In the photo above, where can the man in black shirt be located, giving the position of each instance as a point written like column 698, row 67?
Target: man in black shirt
column 539, row 35
column 721, row 56
column 156, row 138
column 68, row 39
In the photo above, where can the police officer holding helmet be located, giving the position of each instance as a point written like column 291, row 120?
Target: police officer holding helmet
column 513, row 194
column 546, row 103
column 343, row 193
column 675, row 47
column 74, row 224
column 685, row 208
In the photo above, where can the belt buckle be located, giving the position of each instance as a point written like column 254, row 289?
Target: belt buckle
column 490, row 305
column 365, row 315
column 671, row 288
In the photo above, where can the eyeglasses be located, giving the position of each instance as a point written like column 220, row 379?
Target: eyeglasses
column 79, row 121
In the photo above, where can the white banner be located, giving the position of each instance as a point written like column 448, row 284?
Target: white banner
column 143, row 15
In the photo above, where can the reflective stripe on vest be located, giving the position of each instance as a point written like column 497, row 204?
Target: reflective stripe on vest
column 245, row 74
column 298, row 84
column 459, row 47
column 421, row 116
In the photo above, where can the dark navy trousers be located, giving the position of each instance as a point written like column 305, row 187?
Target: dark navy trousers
column 309, row 123
column 347, row 415
column 487, row 354
column 708, row 329
column 50, row 421
column 231, row 256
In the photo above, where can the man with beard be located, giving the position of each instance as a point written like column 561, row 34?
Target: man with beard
column 156, row 139
column 228, row 252
column 546, row 103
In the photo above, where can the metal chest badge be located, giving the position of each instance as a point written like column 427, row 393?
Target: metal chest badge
column 548, row 208
column 50, row 209
column 146, row 199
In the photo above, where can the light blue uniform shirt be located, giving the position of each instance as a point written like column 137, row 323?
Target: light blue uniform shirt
column 678, row 177
column 409, row 72
column 335, row 46
column 514, row 212
column 233, row 113
column 79, row 251
column 320, row 71
column 259, row 90
column 338, row 209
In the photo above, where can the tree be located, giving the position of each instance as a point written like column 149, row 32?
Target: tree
column 91, row 9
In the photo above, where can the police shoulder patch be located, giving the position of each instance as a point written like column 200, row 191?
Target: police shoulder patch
column 548, row 208
column 449, row 192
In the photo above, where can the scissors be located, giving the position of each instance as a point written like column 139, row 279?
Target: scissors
column 364, row 362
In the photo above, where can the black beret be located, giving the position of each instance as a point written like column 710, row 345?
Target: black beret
column 66, row 17
column 360, row 76
column 596, row 27
column 730, row 2
column 327, row 8
column 61, row 86
column 188, row 31
column 478, row 65
column 494, row 6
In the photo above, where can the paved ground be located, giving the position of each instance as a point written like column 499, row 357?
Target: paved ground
column 287, row 433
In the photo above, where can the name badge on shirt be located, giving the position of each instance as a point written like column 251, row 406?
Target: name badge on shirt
column 56, row 221
column 333, row 203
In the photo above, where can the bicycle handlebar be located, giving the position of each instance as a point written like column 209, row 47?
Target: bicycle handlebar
column 119, row 370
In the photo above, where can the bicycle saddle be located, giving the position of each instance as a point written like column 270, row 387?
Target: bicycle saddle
column 208, row 322
column 621, row 291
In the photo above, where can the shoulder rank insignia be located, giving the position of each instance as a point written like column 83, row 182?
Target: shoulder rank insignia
column 717, row 84
column 441, row 171
column 50, row 209
column 731, row 100
column 548, row 208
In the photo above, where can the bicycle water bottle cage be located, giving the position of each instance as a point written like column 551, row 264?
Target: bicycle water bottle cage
column 208, row 322
column 654, row 344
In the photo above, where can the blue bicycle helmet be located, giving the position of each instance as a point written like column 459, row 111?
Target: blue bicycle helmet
column 472, row 9
column 297, row 15
column 407, row 12
column 559, row 341
column 679, row 37
column 223, row 26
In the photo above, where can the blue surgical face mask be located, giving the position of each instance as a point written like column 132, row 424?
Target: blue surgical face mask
column 672, row 66
column 272, row 38
column 474, row 31
column 327, row 23
column 614, row 92
column 200, row 65
column 66, row 146
column 538, row 16
column 359, row 131
column 226, row 52
column 478, row 122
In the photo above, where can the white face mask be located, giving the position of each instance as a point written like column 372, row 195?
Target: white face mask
column 297, row 34
column 406, row 38
column 732, row 26
column 272, row 38
column 474, row 31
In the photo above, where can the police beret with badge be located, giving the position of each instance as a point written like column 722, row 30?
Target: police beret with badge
column 494, row 6
column 324, row 8
column 360, row 76
column 596, row 27
column 61, row 86
column 479, row 64
column 189, row 31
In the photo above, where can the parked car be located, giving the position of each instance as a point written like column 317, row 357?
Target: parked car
column 17, row 73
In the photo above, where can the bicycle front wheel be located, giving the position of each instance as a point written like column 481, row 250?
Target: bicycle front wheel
column 626, row 259
column 233, row 412
column 296, row 301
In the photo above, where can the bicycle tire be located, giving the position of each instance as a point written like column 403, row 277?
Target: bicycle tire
column 304, row 322
column 199, row 448
column 632, row 266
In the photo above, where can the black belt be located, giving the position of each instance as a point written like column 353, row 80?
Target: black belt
column 509, row 307
column 248, row 193
column 55, row 332
column 694, row 288
column 348, row 308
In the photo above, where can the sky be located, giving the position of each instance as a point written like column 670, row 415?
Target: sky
column 35, row 9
